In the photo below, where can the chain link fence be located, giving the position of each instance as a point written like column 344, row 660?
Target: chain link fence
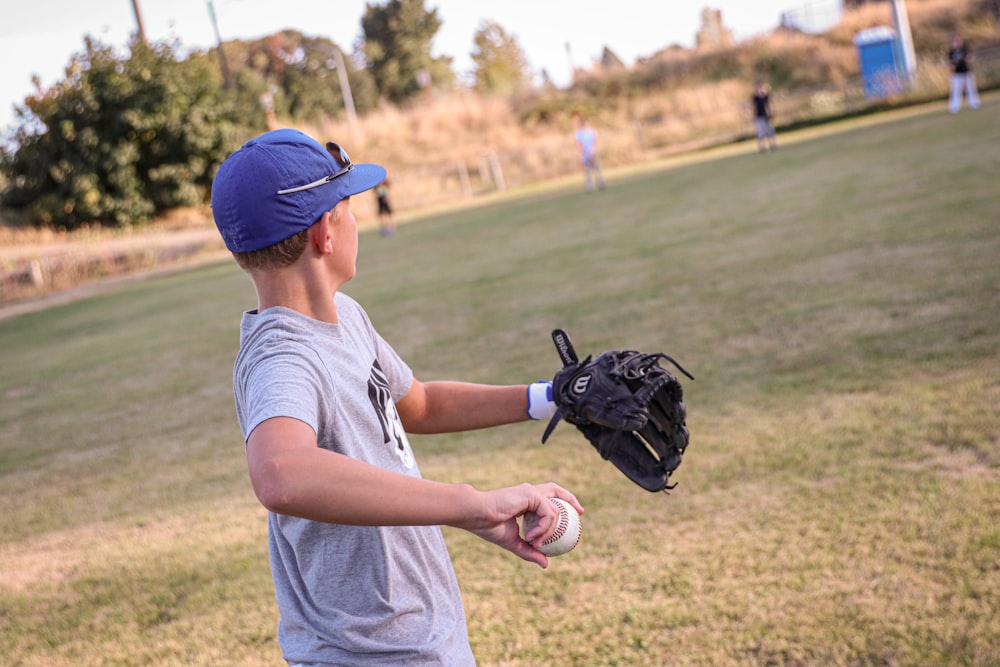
column 813, row 17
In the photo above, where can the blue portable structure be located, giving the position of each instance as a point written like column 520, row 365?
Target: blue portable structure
column 881, row 65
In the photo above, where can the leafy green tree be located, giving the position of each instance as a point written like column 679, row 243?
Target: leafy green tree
column 397, row 47
column 120, row 139
column 300, row 73
column 500, row 63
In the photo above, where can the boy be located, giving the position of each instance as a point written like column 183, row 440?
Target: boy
column 763, row 117
column 360, row 568
column 586, row 140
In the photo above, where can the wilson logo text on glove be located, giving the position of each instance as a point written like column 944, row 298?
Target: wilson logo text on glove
column 580, row 384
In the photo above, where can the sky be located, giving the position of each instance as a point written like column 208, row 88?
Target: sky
column 39, row 37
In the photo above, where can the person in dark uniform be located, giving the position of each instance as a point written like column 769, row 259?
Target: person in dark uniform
column 386, row 220
column 962, row 78
column 763, row 117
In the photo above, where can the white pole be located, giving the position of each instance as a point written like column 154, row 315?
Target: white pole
column 497, row 172
column 463, row 177
column 345, row 91
column 902, row 23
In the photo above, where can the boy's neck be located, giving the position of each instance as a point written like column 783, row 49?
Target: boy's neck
column 289, row 289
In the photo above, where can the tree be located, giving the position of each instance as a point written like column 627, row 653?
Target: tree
column 610, row 60
column 397, row 47
column 121, row 139
column 500, row 63
column 300, row 72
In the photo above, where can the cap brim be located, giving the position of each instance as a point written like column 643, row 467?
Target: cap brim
column 362, row 177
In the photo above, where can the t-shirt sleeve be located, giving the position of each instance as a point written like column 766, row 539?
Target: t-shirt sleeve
column 278, row 385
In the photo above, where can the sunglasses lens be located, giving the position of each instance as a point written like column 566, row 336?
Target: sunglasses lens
column 339, row 154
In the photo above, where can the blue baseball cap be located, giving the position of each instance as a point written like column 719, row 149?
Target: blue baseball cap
column 281, row 183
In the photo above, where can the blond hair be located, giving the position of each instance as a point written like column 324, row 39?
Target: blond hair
column 283, row 253
column 278, row 256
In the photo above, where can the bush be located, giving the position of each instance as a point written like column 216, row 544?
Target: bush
column 120, row 140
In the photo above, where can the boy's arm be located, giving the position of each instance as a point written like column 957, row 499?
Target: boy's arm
column 291, row 475
column 447, row 407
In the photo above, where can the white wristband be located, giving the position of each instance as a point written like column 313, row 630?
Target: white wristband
column 540, row 403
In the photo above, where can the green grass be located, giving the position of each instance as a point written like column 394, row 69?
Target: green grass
column 838, row 302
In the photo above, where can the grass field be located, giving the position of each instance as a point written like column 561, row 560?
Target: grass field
column 838, row 302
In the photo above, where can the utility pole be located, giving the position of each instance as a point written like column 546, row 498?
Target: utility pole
column 227, row 80
column 138, row 21
column 572, row 66
column 902, row 24
column 345, row 91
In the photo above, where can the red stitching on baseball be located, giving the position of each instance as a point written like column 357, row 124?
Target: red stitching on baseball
column 561, row 527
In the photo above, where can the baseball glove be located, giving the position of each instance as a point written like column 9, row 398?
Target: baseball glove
column 629, row 407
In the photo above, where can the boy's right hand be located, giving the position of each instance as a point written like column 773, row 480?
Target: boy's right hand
column 497, row 519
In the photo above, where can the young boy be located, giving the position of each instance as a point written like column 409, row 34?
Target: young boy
column 586, row 140
column 763, row 117
column 360, row 568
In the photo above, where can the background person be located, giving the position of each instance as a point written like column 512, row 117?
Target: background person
column 386, row 219
column 361, row 572
column 763, row 117
column 586, row 141
column 962, row 78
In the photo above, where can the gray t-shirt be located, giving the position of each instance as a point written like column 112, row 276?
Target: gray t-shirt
column 348, row 595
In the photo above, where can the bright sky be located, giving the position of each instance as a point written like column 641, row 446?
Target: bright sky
column 38, row 37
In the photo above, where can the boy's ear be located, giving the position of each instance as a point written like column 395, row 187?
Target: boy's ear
column 320, row 235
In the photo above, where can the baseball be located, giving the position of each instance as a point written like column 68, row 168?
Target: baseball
column 567, row 533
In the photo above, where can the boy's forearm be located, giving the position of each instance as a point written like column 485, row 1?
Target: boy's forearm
column 329, row 487
column 447, row 407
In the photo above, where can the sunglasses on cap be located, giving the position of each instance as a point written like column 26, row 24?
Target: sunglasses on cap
column 342, row 159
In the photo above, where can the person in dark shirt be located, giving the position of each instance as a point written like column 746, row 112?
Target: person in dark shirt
column 763, row 117
column 962, row 78
column 386, row 219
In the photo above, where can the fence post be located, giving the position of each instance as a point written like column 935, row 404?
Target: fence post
column 497, row 172
column 484, row 169
column 463, row 177
column 637, row 128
